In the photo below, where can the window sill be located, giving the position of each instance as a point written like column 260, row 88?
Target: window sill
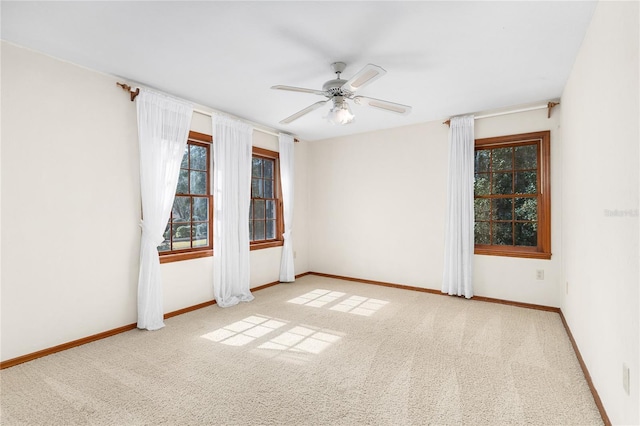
column 266, row 244
column 176, row 257
column 523, row 253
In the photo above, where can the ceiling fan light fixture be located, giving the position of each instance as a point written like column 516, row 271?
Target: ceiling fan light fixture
column 340, row 113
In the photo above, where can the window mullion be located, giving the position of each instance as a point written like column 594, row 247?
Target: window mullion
column 191, row 224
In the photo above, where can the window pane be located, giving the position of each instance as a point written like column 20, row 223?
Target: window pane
column 258, row 230
column 183, row 182
column 482, row 160
column 526, row 234
column 482, row 207
column 527, row 157
column 526, row 208
column 198, row 157
column 271, row 230
column 263, row 214
column 256, row 167
column 526, row 183
column 271, row 209
column 502, row 159
column 502, row 233
column 200, row 209
column 185, row 158
column 189, row 225
column 256, row 188
column 201, row 237
column 501, row 208
column 166, row 244
column 181, row 209
column 268, row 188
column 198, row 182
column 481, row 233
column 502, row 183
column 181, row 236
column 481, row 184
column 258, row 209
column 268, row 168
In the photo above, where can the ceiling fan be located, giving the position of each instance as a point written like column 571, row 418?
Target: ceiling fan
column 339, row 90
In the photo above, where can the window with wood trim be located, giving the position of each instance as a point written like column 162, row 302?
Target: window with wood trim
column 189, row 232
column 265, row 212
column 512, row 200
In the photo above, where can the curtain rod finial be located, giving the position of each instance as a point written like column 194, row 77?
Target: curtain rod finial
column 128, row 88
column 134, row 94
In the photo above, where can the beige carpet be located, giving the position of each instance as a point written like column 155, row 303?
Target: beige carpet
column 317, row 352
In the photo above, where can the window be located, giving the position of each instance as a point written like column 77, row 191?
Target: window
column 189, row 231
column 512, row 196
column 265, row 212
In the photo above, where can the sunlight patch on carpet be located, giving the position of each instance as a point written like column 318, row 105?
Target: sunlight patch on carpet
column 298, row 339
column 301, row 339
column 317, row 298
column 244, row 331
column 357, row 305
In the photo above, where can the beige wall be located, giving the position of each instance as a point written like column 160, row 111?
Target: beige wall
column 600, row 173
column 71, row 208
column 378, row 206
column 70, row 203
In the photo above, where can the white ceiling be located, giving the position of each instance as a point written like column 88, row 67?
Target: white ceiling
column 442, row 58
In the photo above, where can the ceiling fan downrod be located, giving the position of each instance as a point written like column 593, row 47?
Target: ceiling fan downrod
column 333, row 86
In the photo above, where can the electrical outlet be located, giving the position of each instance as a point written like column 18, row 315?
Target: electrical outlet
column 566, row 287
column 295, row 254
column 540, row 274
column 625, row 378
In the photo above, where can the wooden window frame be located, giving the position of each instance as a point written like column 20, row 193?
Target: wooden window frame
column 279, row 240
column 200, row 139
column 543, row 248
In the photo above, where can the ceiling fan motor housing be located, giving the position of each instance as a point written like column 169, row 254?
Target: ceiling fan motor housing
column 333, row 86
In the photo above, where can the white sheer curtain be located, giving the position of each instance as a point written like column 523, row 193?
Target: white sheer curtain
column 287, row 272
column 232, row 196
column 458, row 254
column 163, row 129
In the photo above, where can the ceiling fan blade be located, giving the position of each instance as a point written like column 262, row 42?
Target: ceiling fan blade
column 383, row 105
column 299, row 89
column 366, row 75
column 303, row 112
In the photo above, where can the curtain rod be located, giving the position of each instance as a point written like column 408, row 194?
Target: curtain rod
column 268, row 132
column 549, row 106
column 256, row 126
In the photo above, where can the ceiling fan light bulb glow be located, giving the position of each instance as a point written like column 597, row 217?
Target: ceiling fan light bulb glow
column 340, row 114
